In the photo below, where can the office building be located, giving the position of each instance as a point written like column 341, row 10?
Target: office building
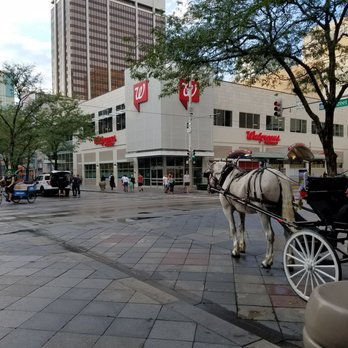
column 91, row 40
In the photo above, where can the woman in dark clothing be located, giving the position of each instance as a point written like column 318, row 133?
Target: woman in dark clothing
column 112, row 182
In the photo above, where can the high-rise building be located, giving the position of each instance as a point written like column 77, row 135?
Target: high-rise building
column 91, row 40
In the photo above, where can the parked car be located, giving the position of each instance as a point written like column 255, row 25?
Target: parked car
column 48, row 183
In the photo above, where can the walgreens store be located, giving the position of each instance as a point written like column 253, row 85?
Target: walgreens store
column 138, row 132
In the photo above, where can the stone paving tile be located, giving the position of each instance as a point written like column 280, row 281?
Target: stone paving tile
column 194, row 285
column 139, row 310
column 119, row 342
column 93, row 283
column 220, row 297
column 66, row 306
column 246, row 278
column 88, row 324
column 119, row 296
column 20, row 338
column 46, row 321
column 30, row 304
column 290, row 314
column 101, row 308
column 287, row 301
column 161, row 343
column 253, row 299
column 49, row 292
column 66, row 339
column 256, row 313
column 5, row 301
column 130, row 327
column 219, row 286
column 14, row 318
column 80, row 294
column 33, row 280
column 206, row 336
column 220, row 277
column 10, row 279
column 250, row 288
column 173, row 330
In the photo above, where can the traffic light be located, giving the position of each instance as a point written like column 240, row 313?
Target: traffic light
column 278, row 108
column 193, row 155
column 188, row 153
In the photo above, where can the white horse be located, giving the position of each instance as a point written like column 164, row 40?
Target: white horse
column 265, row 189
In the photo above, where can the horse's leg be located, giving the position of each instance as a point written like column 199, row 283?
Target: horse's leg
column 242, row 233
column 269, row 233
column 228, row 210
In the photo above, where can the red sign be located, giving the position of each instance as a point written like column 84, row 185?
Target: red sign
column 184, row 92
column 140, row 93
column 263, row 138
column 105, row 141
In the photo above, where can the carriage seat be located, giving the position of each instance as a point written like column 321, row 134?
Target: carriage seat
column 326, row 196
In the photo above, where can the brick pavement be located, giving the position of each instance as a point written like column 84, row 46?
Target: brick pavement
column 148, row 281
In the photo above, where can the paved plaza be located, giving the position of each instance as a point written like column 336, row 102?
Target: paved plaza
column 142, row 278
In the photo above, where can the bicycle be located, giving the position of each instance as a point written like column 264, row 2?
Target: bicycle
column 21, row 192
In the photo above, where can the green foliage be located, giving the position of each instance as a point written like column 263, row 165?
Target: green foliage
column 38, row 121
column 303, row 43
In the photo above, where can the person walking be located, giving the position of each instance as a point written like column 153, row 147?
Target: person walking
column 125, row 182
column 76, row 183
column 171, row 183
column 112, row 181
column 132, row 183
column 186, row 182
column 165, row 184
column 140, row 183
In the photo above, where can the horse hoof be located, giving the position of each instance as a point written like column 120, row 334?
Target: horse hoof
column 235, row 256
column 266, row 266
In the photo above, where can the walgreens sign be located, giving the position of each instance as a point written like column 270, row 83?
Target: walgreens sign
column 185, row 88
column 140, row 93
column 263, row 138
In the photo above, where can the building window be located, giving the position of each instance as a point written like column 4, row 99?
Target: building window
column 247, row 120
column 338, row 130
column 275, row 123
column 106, row 169
column 105, row 112
column 105, row 125
column 90, row 171
column 314, row 127
column 298, row 126
column 222, row 118
column 120, row 117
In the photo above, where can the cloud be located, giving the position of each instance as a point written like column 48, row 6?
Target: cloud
column 26, row 35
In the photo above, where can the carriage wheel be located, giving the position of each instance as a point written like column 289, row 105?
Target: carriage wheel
column 309, row 260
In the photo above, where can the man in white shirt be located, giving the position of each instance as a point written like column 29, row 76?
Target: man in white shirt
column 125, row 182
column 186, row 182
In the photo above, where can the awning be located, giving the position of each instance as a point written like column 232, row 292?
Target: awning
column 300, row 152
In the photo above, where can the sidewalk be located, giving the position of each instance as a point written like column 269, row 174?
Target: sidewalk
column 53, row 297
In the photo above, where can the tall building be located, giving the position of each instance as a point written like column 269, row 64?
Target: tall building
column 6, row 91
column 91, row 40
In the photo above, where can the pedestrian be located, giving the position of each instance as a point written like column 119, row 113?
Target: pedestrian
column 171, row 183
column 102, row 183
column 132, row 183
column 125, row 182
column 9, row 181
column 186, row 182
column 76, row 183
column 140, row 183
column 165, row 184
column 112, row 181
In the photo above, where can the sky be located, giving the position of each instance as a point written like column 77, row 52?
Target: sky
column 25, row 38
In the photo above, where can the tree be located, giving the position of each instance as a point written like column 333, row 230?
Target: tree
column 62, row 127
column 253, row 39
column 17, row 134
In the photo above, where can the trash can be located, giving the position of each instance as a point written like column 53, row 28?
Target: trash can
column 326, row 316
column 102, row 185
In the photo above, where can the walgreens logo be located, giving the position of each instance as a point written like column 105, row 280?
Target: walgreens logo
column 185, row 88
column 140, row 93
column 263, row 138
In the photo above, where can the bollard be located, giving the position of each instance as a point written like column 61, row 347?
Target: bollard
column 326, row 316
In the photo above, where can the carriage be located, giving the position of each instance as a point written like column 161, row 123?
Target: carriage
column 314, row 250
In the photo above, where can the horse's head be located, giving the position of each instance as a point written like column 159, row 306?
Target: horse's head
column 213, row 174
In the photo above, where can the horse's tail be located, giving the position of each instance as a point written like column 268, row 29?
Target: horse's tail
column 288, row 212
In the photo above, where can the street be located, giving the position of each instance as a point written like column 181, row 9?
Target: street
column 177, row 243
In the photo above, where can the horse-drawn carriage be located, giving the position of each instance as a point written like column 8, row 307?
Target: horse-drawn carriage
column 314, row 250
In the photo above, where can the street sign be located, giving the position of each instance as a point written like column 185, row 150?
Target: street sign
column 341, row 103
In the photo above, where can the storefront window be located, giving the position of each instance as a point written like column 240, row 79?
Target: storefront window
column 90, row 171
column 106, row 169
column 125, row 168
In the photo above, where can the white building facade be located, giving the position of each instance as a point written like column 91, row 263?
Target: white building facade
column 138, row 132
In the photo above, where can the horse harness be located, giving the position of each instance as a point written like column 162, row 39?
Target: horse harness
column 227, row 169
